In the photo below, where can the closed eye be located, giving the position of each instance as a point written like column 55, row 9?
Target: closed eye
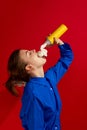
column 28, row 52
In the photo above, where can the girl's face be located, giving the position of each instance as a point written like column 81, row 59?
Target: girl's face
column 31, row 58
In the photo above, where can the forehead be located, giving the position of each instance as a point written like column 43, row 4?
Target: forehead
column 23, row 51
column 23, row 55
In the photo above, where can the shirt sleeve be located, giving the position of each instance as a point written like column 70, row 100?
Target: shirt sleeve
column 33, row 119
column 56, row 72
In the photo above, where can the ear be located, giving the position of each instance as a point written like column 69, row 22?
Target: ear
column 28, row 67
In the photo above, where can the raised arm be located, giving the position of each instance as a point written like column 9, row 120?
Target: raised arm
column 56, row 72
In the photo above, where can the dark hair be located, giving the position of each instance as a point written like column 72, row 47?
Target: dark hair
column 17, row 72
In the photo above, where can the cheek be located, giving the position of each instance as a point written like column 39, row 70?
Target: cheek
column 37, row 61
column 33, row 60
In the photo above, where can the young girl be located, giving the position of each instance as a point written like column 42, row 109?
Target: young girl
column 41, row 103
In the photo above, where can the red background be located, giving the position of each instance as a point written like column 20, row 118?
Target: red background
column 25, row 24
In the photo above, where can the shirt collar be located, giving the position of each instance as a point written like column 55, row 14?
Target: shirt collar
column 39, row 80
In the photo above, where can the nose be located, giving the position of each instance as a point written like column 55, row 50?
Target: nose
column 33, row 50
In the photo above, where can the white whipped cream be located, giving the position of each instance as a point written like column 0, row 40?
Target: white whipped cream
column 42, row 52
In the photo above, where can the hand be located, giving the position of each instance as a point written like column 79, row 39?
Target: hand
column 47, row 43
column 58, row 41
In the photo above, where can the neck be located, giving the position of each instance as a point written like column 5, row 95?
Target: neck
column 39, row 72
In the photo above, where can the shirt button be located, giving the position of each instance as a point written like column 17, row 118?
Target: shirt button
column 56, row 127
column 51, row 89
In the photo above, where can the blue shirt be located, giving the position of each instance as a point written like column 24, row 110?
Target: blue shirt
column 41, row 104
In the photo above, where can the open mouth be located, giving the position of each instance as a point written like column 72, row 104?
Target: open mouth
column 41, row 56
column 44, row 57
column 42, row 53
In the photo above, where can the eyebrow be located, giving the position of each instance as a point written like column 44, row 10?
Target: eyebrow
column 26, row 52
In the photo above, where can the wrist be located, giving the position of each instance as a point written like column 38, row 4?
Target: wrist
column 60, row 43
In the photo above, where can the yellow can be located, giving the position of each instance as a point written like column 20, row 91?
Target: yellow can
column 57, row 33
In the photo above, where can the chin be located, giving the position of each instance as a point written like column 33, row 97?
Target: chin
column 45, row 61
